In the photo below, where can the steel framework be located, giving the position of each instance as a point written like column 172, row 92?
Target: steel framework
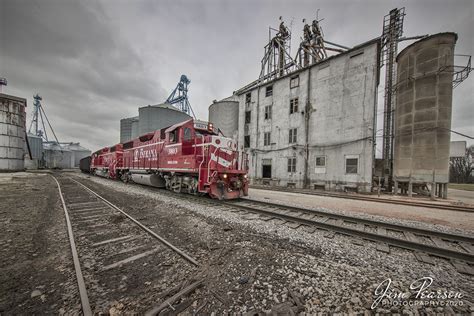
column 392, row 32
column 179, row 97
column 277, row 60
column 40, row 115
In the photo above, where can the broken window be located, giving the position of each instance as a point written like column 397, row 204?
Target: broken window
column 266, row 139
column 247, row 116
column 293, row 136
column 352, row 165
column 248, row 98
column 268, row 112
column 268, row 91
column 321, row 161
column 292, row 164
column 246, row 141
column 294, row 82
column 293, row 105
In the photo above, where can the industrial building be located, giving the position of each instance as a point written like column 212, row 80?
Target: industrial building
column 150, row 118
column 315, row 126
column 310, row 121
column 12, row 132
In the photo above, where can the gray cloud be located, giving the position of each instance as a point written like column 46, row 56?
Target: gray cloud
column 96, row 62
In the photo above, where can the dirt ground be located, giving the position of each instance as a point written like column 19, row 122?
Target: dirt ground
column 461, row 220
column 248, row 265
column 37, row 272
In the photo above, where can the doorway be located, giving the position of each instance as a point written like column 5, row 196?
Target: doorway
column 266, row 168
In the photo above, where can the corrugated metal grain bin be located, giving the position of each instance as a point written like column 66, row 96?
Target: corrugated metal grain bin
column 57, row 157
column 126, row 128
column 78, row 152
column 152, row 118
column 36, row 146
column 12, row 132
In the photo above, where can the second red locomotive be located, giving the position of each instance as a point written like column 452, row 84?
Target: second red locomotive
column 189, row 157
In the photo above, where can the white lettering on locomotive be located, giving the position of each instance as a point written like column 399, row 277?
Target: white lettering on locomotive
column 172, row 151
column 142, row 153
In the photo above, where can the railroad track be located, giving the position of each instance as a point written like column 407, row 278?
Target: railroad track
column 459, row 249
column 109, row 246
column 459, row 208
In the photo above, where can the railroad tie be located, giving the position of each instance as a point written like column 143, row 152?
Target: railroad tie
column 462, row 267
column 423, row 257
column 129, row 259
column 100, row 243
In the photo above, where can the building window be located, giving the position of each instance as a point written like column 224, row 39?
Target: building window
column 268, row 112
column 294, row 82
column 266, row 139
column 292, row 164
column 293, row 105
column 351, row 165
column 321, row 161
column 268, row 91
column 246, row 141
column 247, row 116
column 248, row 98
column 293, row 136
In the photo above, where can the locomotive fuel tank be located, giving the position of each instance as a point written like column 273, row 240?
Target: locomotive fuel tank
column 153, row 180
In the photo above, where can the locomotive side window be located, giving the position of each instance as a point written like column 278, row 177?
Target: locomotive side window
column 174, row 136
column 187, row 133
column 128, row 145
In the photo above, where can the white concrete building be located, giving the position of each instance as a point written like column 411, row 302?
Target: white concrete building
column 315, row 127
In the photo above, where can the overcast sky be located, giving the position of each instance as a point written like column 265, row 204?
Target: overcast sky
column 95, row 62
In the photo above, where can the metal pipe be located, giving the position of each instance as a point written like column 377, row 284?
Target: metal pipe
column 334, row 44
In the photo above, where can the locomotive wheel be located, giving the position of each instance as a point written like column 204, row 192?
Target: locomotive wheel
column 176, row 184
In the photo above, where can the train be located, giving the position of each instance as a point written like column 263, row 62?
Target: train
column 189, row 157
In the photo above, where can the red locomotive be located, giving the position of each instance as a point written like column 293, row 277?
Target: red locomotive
column 187, row 157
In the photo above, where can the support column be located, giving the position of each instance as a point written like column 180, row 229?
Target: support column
column 445, row 191
column 395, row 189
column 410, row 189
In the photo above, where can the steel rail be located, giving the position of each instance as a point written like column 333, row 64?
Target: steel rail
column 372, row 199
column 348, row 218
column 149, row 231
column 86, row 308
column 441, row 252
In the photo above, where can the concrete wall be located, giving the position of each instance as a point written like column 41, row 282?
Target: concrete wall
column 423, row 112
column 12, row 132
column 342, row 93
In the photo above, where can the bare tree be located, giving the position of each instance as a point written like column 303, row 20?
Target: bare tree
column 460, row 168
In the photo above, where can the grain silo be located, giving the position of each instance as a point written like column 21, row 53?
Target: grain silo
column 126, row 128
column 224, row 114
column 77, row 151
column 57, row 156
column 154, row 117
column 12, row 132
column 423, row 114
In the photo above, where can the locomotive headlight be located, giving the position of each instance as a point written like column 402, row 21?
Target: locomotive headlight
column 224, row 176
column 245, row 176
